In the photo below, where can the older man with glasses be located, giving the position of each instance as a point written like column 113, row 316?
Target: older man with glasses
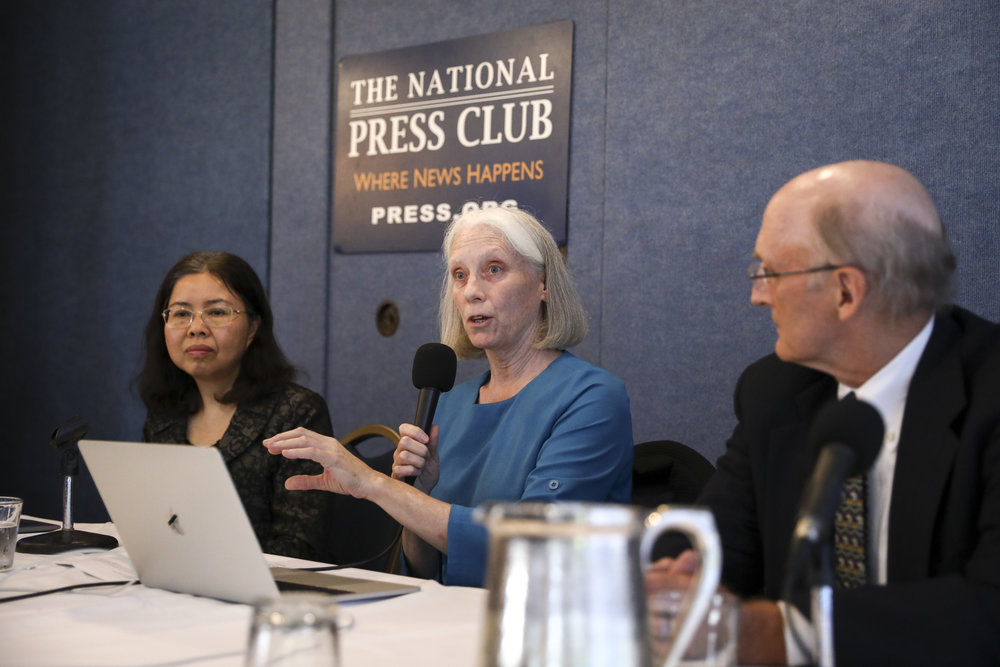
column 855, row 268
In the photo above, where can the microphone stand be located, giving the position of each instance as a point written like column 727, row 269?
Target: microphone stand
column 822, row 605
column 811, row 563
column 65, row 438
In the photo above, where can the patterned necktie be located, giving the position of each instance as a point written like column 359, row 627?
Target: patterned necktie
column 850, row 532
column 849, row 535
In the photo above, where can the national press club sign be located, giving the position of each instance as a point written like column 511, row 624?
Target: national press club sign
column 425, row 133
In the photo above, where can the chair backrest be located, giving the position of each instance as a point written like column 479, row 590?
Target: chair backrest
column 668, row 472
column 363, row 534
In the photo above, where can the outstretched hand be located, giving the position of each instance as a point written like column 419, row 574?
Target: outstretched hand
column 342, row 473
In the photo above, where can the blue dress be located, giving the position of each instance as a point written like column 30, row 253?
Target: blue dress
column 567, row 435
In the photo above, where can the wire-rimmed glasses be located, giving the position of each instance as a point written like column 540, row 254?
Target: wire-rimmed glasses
column 214, row 316
column 756, row 271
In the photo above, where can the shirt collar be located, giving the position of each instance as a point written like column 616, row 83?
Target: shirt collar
column 887, row 389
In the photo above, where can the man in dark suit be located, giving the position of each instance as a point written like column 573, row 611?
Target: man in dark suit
column 855, row 268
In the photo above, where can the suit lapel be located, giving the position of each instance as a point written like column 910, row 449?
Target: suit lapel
column 927, row 448
column 792, row 460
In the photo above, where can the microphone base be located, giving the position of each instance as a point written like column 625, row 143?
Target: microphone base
column 58, row 541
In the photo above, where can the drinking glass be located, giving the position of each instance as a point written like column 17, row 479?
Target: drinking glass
column 10, row 516
column 295, row 630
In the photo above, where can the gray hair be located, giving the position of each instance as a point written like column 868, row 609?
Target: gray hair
column 563, row 322
column 909, row 263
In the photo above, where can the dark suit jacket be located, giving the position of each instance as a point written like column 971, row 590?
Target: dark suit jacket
column 941, row 605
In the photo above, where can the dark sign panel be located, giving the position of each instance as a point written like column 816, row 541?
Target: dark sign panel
column 425, row 132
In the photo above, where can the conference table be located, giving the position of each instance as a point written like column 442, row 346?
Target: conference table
column 136, row 625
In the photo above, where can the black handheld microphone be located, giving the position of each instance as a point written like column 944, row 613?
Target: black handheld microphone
column 434, row 367
column 848, row 434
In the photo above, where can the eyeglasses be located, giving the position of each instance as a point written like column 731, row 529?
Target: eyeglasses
column 216, row 316
column 756, row 271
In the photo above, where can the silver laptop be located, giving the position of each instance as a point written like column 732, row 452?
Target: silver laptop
column 181, row 521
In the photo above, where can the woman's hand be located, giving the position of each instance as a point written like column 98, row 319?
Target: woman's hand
column 424, row 518
column 416, row 456
column 343, row 472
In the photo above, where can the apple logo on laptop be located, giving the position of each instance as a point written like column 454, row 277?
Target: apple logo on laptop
column 175, row 524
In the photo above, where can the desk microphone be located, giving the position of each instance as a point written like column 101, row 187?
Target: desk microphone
column 434, row 367
column 65, row 438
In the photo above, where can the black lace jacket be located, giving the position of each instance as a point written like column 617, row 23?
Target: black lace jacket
column 290, row 523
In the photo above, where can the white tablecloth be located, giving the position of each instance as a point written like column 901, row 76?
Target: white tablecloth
column 438, row 626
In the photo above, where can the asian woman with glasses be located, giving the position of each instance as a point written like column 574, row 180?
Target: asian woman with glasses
column 214, row 376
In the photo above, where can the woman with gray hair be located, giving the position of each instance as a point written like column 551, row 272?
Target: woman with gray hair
column 540, row 424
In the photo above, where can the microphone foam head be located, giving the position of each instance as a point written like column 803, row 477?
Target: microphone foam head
column 853, row 423
column 434, row 367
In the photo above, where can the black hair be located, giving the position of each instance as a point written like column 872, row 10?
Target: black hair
column 167, row 390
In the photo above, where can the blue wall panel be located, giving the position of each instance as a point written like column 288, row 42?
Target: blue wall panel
column 711, row 111
column 300, row 195
column 137, row 132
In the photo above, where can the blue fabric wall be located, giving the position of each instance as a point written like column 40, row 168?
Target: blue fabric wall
column 133, row 133
column 138, row 131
